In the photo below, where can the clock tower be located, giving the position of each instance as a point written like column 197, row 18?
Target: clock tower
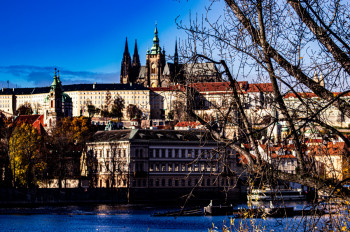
column 155, row 62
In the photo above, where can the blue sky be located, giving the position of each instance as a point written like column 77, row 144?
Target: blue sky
column 84, row 39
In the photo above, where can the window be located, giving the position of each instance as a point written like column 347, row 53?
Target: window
column 196, row 168
column 196, row 153
column 189, row 153
column 177, row 153
column 189, row 168
column 163, row 182
column 170, row 182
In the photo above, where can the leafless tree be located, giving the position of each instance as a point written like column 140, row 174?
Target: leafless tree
column 283, row 43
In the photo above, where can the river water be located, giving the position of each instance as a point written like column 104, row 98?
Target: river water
column 122, row 218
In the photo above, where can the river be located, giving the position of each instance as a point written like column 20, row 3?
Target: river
column 120, row 218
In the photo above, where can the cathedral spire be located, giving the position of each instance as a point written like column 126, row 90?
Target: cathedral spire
column 155, row 48
column 136, row 65
column 176, row 56
column 126, row 65
column 136, row 58
column 126, row 49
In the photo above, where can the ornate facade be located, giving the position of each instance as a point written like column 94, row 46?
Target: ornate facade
column 159, row 73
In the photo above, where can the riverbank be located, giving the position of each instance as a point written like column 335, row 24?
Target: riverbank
column 33, row 197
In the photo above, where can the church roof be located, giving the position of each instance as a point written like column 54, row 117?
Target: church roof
column 201, row 69
column 169, row 69
column 142, row 73
column 173, row 136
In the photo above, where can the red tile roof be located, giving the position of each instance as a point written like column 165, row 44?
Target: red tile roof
column 37, row 121
column 188, row 124
column 337, row 148
column 225, row 87
column 261, row 87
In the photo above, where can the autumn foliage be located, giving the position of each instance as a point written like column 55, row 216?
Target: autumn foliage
column 25, row 154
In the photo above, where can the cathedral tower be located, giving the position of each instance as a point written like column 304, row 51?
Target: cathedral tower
column 155, row 62
column 136, row 65
column 126, row 69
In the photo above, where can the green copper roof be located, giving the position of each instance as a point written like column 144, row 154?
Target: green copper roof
column 66, row 98
column 155, row 48
column 56, row 82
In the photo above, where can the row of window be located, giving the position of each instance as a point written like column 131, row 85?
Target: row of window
column 182, row 153
column 178, row 167
column 120, row 153
column 162, row 153
column 206, row 182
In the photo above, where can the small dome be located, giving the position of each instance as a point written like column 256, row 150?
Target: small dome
column 66, row 98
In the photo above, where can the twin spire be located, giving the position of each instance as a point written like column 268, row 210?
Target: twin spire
column 136, row 58
column 319, row 80
column 130, row 69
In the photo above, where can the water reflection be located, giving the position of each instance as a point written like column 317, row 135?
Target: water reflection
column 124, row 218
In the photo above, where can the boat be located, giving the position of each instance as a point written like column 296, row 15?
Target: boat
column 268, row 194
column 216, row 210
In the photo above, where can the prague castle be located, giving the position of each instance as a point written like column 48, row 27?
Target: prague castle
column 155, row 88
column 159, row 73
